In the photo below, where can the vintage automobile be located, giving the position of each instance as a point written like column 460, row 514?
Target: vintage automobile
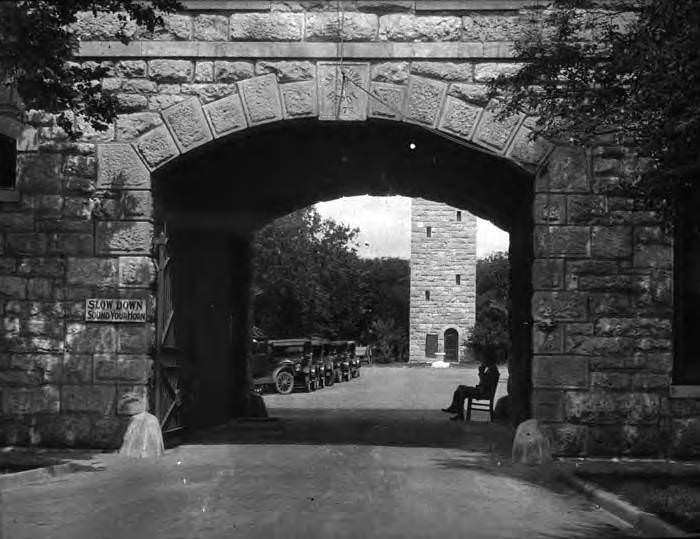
column 355, row 362
column 322, row 354
column 364, row 354
column 285, row 364
column 341, row 360
column 318, row 357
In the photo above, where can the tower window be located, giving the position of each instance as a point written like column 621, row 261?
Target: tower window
column 458, row 279
column 428, row 231
column 8, row 162
column 459, row 216
column 427, row 295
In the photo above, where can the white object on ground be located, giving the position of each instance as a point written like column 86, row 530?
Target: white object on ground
column 143, row 438
column 440, row 364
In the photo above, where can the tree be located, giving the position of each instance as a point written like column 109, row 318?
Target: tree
column 39, row 47
column 490, row 336
column 624, row 72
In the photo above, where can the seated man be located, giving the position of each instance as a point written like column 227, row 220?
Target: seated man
column 488, row 378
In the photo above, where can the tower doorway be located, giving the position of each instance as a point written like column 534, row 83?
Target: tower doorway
column 451, row 345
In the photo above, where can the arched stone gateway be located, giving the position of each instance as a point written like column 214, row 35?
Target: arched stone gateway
column 592, row 304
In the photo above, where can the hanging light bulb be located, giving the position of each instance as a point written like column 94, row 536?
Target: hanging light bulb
column 412, row 145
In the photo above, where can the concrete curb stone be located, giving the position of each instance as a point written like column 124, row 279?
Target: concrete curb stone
column 647, row 523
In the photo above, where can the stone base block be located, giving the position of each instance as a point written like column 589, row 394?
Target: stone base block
column 143, row 438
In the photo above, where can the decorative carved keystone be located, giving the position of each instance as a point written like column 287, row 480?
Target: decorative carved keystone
column 226, row 115
column 119, row 167
column 388, row 101
column 299, row 99
column 187, row 124
column 157, row 147
column 459, row 118
column 425, row 97
column 342, row 91
column 261, row 99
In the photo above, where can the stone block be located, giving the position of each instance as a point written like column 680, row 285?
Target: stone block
column 548, row 340
column 328, row 26
column 567, row 171
column 549, row 209
column 547, row 405
column 528, row 149
column 122, row 368
column 204, row 71
column 163, row 101
column 287, row 71
column 157, row 147
column 90, row 399
column 135, row 339
column 139, row 86
column 619, row 381
column 487, row 72
column 130, row 68
column 653, row 256
column 566, row 438
column 130, row 127
column 210, row 92
column 76, row 369
column 405, row 27
column 131, row 102
column 491, row 27
column 586, row 209
column 650, row 362
column 123, row 237
column 132, row 399
column 83, row 339
column 71, row 244
column 171, row 70
column 80, row 165
column 476, row 94
column 39, row 288
column 275, row 26
column 42, row 267
column 634, row 327
column 559, row 306
column 685, row 437
column 620, row 283
column 561, row 241
column 424, row 101
column 390, row 72
column 352, row 87
column 175, row 28
column 560, row 372
column 601, row 407
column 37, row 400
column 136, row 272
column 548, row 273
column 611, row 242
column 125, row 205
column 494, row 133
column 187, row 124
column 13, row 287
column 444, row 71
column 226, row 71
column 102, row 26
column 459, row 118
column 261, row 99
column 26, row 244
column 299, row 99
column 623, row 440
column 39, row 173
column 388, row 100
column 17, row 378
column 226, row 115
column 210, row 28
column 16, row 221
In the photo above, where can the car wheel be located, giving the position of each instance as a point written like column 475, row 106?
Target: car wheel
column 284, row 382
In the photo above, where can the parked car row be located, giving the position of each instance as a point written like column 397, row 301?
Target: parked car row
column 307, row 364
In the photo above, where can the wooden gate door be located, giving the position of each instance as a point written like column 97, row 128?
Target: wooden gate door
column 168, row 401
column 451, row 345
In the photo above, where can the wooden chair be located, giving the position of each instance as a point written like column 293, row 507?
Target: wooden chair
column 485, row 405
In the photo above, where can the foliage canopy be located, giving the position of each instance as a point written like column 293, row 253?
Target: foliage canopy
column 617, row 71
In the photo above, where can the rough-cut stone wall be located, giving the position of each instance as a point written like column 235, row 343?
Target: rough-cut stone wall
column 435, row 261
column 80, row 222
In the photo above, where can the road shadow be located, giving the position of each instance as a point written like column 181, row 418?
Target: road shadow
column 383, row 427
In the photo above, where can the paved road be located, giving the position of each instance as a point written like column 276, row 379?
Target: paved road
column 390, row 466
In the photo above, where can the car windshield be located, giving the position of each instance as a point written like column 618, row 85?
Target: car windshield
column 287, row 351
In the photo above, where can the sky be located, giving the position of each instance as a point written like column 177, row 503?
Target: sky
column 385, row 226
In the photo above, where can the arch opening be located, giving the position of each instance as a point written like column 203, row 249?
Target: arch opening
column 211, row 201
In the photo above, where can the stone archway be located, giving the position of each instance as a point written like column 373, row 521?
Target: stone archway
column 451, row 345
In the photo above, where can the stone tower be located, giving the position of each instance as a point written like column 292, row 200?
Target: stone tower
column 443, row 280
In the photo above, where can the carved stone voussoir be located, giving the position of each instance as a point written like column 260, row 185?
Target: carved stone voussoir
column 528, row 150
column 299, row 99
column 156, row 147
column 261, row 99
column 493, row 133
column 226, row 115
column 459, row 118
column 387, row 100
column 188, row 125
column 343, row 91
column 425, row 97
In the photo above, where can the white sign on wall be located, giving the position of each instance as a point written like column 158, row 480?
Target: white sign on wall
column 115, row 310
